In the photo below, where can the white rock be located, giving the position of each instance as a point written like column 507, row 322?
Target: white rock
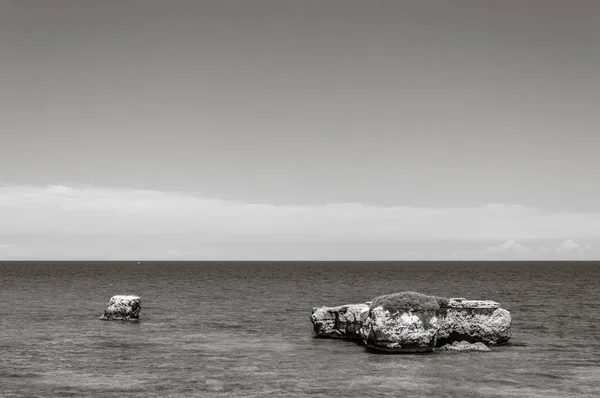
column 464, row 346
column 404, row 331
column 122, row 307
column 486, row 325
column 413, row 322
column 344, row 321
column 464, row 303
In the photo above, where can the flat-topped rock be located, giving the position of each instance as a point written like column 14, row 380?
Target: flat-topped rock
column 464, row 303
column 123, row 307
column 344, row 321
column 485, row 325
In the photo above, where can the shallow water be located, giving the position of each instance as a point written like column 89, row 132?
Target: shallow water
column 243, row 329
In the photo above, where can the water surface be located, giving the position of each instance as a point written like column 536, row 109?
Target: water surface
column 243, row 329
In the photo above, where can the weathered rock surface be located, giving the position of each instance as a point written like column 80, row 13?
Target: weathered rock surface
column 122, row 307
column 345, row 321
column 414, row 322
column 464, row 346
column 402, row 322
column 404, row 331
column 473, row 321
column 464, row 303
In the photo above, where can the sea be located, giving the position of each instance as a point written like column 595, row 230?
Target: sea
column 242, row 329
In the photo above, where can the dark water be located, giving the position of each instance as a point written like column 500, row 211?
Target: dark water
column 243, row 329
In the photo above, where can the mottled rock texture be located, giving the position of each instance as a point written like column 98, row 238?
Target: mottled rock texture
column 484, row 324
column 414, row 322
column 345, row 321
column 408, row 301
column 122, row 307
column 403, row 331
column 402, row 322
column 464, row 346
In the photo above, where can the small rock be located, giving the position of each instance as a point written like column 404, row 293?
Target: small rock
column 122, row 307
column 464, row 346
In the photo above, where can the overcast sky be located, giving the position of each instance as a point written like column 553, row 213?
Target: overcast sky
column 300, row 129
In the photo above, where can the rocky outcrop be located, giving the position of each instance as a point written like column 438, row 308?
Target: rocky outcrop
column 345, row 321
column 122, row 307
column 414, row 322
column 473, row 321
column 402, row 322
column 464, row 346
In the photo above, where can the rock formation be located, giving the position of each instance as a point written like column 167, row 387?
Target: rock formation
column 414, row 322
column 473, row 321
column 122, row 307
column 345, row 321
column 402, row 322
column 464, row 346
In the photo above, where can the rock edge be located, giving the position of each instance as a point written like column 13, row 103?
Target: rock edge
column 122, row 308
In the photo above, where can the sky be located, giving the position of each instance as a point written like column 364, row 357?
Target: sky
column 300, row 130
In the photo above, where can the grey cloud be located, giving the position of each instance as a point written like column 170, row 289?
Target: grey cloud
column 175, row 222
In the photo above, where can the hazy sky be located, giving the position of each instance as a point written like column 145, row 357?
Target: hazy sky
column 300, row 129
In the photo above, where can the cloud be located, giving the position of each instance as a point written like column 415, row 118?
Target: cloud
column 507, row 250
column 533, row 250
column 569, row 249
column 569, row 246
column 176, row 224
column 510, row 246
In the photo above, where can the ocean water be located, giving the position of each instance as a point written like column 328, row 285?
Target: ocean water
column 243, row 329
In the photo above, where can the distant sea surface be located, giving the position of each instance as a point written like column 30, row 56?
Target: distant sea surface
column 243, row 329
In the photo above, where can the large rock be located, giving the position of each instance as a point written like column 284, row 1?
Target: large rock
column 413, row 322
column 345, row 321
column 402, row 322
column 473, row 321
column 122, row 307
